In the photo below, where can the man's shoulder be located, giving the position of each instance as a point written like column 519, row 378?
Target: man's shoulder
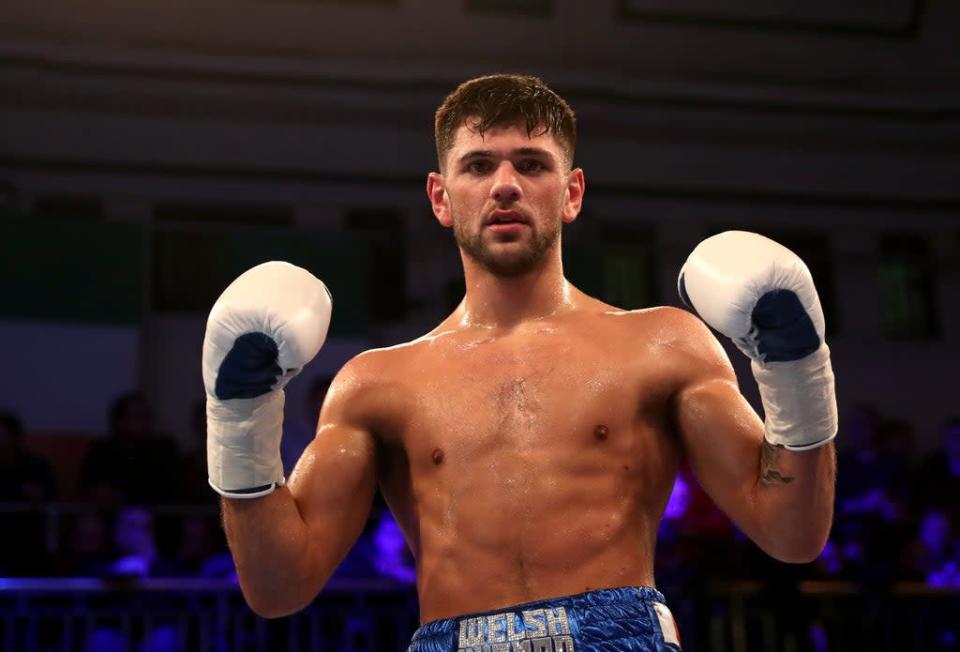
column 691, row 346
column 678, row 323
column 373, row 388
column 665, row 323
column 382, row 363
column 671, row 334
column 395, row 354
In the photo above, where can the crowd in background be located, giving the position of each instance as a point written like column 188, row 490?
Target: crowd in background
column 142, row 507
column 896, row 516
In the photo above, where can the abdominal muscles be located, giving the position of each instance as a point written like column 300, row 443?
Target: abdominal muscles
column 503, row 523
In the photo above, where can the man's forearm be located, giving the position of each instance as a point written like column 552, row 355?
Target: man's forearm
column 270, row 545
column 794, row 497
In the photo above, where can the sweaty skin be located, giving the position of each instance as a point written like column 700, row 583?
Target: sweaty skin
column 527, row 446
column 527, row 462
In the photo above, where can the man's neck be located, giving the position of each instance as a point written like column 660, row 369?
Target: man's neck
column 495, row 301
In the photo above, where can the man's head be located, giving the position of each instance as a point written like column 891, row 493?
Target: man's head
column 130, row 416
column 505, row 145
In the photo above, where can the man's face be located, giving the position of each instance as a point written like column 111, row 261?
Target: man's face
column 506, row 196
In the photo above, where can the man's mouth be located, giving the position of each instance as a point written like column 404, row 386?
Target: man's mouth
column 505, row 217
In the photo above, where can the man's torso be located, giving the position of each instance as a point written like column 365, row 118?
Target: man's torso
column 529, row 463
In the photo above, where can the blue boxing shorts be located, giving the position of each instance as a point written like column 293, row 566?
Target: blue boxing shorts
column 629, row 619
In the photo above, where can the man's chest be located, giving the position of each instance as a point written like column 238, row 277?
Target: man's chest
column 541, row 394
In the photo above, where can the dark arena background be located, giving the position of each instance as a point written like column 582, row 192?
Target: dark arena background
column 152, row 150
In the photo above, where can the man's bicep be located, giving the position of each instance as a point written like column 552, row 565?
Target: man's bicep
column 333, row 485
column 335, row 479
column 722, row 437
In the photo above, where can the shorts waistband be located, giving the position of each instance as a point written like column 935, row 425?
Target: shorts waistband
column 602, row 615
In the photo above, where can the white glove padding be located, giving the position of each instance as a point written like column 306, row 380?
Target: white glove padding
column 761, row 295
column 263, row 329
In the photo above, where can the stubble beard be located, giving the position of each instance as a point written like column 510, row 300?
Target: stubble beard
column 507, row 263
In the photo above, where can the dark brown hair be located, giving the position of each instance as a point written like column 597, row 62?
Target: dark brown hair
column 496, row 100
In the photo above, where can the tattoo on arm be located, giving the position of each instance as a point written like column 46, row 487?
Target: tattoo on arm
column 769, row 475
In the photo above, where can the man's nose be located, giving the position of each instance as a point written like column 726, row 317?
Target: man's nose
column 506, row 188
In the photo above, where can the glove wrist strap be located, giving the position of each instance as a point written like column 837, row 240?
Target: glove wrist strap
column 799, row 400
column 243, row 445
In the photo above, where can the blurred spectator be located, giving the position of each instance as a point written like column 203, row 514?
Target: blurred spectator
column 23, row 476
column 392, row 558
column 359, row 562
column 85, row 546
column 136, row 555
column 132, row 464
column 898, row 445
column 872, row 490
column 199, row 551
column 933, row 554
column 858, row 550
column 194, row 488
column 830, row 563
column 380, row 552
column 300, row 426
column 900, row 441
column 937, row 480
column 134, row 543
column 691, row 512
column 677, row 505
column 874, row 478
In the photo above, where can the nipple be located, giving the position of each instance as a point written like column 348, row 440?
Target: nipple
column 600, row 432
column 437, row 456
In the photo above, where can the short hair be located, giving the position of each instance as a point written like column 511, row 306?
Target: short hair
column 497, row 100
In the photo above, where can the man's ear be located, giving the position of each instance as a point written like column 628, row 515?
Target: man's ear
column 439, row 200
column 574, row 195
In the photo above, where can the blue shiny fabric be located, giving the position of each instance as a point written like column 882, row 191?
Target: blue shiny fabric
column 605, row 620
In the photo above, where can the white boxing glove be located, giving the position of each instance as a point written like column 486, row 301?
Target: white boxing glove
column 264, row 328
column 761, row 295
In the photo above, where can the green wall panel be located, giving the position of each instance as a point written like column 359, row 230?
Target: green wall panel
column 191, row 269
column 70, row 271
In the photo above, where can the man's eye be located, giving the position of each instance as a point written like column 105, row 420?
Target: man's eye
column 530, row 165
column 478, row 167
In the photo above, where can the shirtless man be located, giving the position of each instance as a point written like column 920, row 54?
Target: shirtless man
column 527, row 445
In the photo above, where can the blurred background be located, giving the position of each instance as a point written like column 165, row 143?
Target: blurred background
column 150, row 151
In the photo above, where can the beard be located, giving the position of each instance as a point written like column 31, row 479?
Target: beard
column 517, row 261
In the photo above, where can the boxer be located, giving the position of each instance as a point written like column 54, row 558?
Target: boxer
column 528, row 444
